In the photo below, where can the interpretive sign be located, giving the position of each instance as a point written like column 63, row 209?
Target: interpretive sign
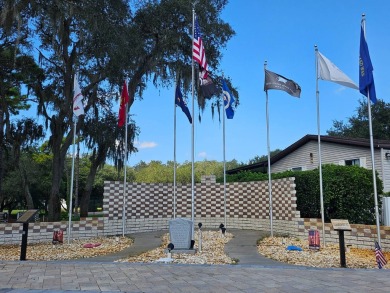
column 340, row 225
column 25, row 218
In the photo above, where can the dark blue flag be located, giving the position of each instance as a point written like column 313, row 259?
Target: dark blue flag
column 366, row 77
column 181, row 103
column 228, row 100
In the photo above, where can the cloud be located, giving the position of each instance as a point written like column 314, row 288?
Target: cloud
column 145, row 144
column 202, row 155
column 340, row 89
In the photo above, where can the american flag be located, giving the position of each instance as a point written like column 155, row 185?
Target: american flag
column 198, row 52
column 380, row 258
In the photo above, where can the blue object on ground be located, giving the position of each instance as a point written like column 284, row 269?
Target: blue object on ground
column 293, row 247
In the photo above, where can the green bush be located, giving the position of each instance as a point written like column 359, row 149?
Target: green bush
column 347, row 192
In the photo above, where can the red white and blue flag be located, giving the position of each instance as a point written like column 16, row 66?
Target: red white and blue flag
column 380, row 258
column 198, row 51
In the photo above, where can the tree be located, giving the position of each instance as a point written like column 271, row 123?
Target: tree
column 105, row 41
column 107, row 141
column 263, row 158
column 16, row 70
column 358, row 125
column 21, row 136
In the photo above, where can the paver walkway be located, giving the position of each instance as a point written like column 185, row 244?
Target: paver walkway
column 253, row 274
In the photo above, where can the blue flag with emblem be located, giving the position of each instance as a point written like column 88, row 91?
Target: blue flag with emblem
column 181, row 103
column 228, row 100
column 366, row 77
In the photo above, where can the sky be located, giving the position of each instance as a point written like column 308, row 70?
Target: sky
column 283, row 33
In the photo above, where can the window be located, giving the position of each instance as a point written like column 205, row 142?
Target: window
column 296, row 169
column 353, row 162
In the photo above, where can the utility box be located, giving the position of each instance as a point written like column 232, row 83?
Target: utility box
column 386, row 211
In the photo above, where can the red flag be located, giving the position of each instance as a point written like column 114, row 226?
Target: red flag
column 123, row 105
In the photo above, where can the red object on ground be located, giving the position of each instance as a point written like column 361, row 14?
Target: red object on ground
column 58, row 236
column 91, row 245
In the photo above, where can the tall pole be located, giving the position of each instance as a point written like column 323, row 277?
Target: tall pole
column 269, row 160
column 193, row 131
column 224, row 163
column 71, row 183
column 124, row 176
column 372, row 149
column 174, row 155
column 319, row 148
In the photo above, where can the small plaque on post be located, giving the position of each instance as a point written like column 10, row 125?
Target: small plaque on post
column 340, row 225
column 27, row 216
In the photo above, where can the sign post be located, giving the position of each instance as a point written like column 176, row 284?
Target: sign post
column 341, row 226
column 25, row 218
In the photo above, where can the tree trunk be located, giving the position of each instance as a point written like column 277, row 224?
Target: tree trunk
column 26, row 187
column 1, row 150
column 86, row 196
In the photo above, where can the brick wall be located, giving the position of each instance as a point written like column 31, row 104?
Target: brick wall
column 149, row 207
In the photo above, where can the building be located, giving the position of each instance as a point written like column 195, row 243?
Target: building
column 303, row 155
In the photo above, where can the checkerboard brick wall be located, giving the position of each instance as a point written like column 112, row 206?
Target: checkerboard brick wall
column 149, row 207
column 243, row 200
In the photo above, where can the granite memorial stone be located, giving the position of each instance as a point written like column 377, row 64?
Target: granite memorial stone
column 180, row 233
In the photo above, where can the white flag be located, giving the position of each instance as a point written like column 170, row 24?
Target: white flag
column 328, row 71
column 78, row 108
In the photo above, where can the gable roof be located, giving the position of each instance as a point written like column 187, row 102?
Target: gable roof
column 362, row 142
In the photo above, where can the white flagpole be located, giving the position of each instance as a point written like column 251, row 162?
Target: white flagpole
column 224, row 162
column 193, row 132
column 372, row 149
column 174, row 155
column 71, row 182
column 124, row 177
column 269, row 160
column 319, row 149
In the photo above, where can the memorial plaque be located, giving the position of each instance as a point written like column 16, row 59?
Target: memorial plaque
column 180, row 233
column 341, row 225
column 27, row 216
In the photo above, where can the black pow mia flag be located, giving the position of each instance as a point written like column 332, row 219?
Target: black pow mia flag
column 275, row 81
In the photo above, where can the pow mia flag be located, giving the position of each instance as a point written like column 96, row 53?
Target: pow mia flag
column 275, row 81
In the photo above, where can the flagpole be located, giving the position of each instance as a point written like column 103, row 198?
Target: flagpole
column 71, row 183
column 269, row 159
column 174, row 154
column 372, row 149
column 193, row 130
column 319, row 148
column 224, row 162
column 125, row 175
